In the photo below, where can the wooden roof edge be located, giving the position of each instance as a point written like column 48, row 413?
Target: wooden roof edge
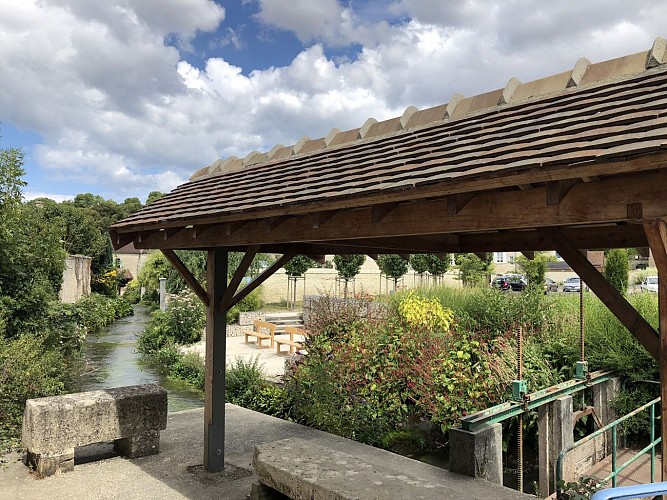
column 502, row 180
column 584, row 74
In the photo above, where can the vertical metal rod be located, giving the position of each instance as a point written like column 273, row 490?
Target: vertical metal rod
column 652, row 442
column 582, row 337
column 519, row 432
column 613, row 456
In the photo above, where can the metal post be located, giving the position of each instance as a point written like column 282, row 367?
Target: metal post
column 519, row 433
column 652, row 439
column 216, row 337
column 613, row 456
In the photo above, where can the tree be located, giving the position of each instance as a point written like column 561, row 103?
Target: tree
column 298, row 265
column 535, row 269
column 474, row 271
column 437, row 266
column 348, row 266
column 419, row 262
column 153, row 196
column 617, row 269
column 393, row 266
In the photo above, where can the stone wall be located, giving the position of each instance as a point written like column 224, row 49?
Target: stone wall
column 76, row 279
column 323, row 282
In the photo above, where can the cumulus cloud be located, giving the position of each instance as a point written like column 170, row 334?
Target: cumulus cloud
column 118, row 106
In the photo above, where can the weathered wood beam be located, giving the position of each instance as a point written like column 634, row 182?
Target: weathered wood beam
column 240, row 272
column 481, row 255
column 318, row 219
column 405, row 256
column 558, row 190
column 258, row 280
column 231, row 227
column 611, row 297
column 200, row 229
column 373, row 256
column 656, row 231
column 379, row 212
column 187, row 275
column 601, row 202
column 456, row 202
column 170, row 232
column 530, row 255
column 120, row 240
column 272, row 223
column 216, row 345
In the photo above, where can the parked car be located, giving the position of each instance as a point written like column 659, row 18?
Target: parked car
column 501, row 282
column 572, row 284
column 514, row 282
column 650, row 284
column 550, row 285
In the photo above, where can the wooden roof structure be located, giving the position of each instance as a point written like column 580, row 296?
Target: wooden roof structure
column 569, row 162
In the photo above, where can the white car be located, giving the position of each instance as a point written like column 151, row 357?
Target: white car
column 650, row 284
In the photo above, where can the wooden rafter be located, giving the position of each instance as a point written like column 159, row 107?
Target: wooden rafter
column 456, row 202
column 558, row 190
column 319, row 218
column 379, row 212
column 530, row 255
column 266, row 274
column 611, row 297
column 240, row 272
column 187, row 275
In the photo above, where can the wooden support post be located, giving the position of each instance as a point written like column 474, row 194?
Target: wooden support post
column 656, row 231
column 216, row 336
column 612, row 298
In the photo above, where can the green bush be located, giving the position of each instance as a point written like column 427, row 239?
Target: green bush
column 243, row 380
column 189, row 368
column 181, row 323
column 251, row 302
column 28, row 369
column 617, row 269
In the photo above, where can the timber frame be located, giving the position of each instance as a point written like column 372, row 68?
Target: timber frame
column 563, row 163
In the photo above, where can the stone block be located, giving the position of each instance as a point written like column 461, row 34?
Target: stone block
column 54, row 426
column 477, row 454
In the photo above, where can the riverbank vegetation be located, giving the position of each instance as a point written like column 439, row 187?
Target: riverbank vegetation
column 41, row 338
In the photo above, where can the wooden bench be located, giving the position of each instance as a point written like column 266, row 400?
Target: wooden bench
column 132, row 417
column 258, row 331
column 293, row 344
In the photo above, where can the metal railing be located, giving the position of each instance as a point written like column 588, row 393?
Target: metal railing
column 615, row 468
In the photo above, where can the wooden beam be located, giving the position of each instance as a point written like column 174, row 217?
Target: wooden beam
column 530, row 255
column 200, row 229
column 602, row 202
column 216, row 346
column 233, row 226
column 266, row 274
column 456, row 202
column 170, row 232
column 558, row 190
column 187, row 276
column 373, row 256
column 405, row 256
column 120, row 240
column 319, row 218
column 656, row 231
column 379, row 212
column 481, row 255
column 611, row 297
column 633, row 167
column 273, row 222
column 240, row 272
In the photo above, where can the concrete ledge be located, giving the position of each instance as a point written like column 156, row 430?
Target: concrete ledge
column 302, row 469
column 131, row 416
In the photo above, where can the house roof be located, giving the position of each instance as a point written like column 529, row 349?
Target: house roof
column 577, row 126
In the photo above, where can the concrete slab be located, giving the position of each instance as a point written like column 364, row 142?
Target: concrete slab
column 274, row 364
column 176, row 472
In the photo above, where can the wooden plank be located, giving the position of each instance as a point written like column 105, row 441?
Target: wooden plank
column 597, row 203
column 239, row 274
column 530, row 255
column 456, row 202
column 611, row 297
column 214, row 385
column 266, row 274
column 187, row 275
column 379, row 212
column 320, row 218
column 656, row 231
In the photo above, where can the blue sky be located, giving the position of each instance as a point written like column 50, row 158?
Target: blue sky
column 123, row 97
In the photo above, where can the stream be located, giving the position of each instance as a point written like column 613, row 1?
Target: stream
column 112, row 360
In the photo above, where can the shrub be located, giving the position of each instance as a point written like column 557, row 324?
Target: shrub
column 617, row 269
column 243, row 380
column 181, row 323
column 251, row 302
column 189, row 368
column 28, row 369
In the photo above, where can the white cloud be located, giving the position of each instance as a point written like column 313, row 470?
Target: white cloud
column 118, row 107
column 31, row 195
